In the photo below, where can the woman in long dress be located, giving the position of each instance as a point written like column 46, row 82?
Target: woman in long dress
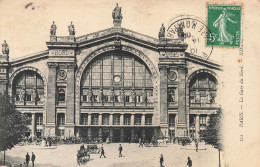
column 221, row 24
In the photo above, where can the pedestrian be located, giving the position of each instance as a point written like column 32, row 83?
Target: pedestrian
column 49, row 143
column 27, row 159
column 140, row 143
column 120, row 149
column 161, row 161
column 33, row 158
column 102, row 152
column 189, row 163
column 197, row 145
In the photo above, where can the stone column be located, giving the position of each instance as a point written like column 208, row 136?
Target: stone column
column 111, row 119
column 100, row 119
column 70, row 94
column 111, row 134
column 33, row 125
column 143, row 134
column 182, row 124
column 164, row 127
column 197, row 126
column 122, row 119
column 132, row 135
column 143, row 120
column 89, row 134
column 122, row 135
column 51, row 98
column 132, row 119
column 89, row 119
column 100, row 133
column 175, row 125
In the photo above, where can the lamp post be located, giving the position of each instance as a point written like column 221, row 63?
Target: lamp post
column 69, row 132
column 49, row 131
column 184, row 133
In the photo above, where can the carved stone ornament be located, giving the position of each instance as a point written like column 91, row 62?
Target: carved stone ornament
column 172, row 76
column 62, row 75
column 117, row 42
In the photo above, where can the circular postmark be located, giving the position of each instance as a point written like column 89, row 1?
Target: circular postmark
column 195, row 31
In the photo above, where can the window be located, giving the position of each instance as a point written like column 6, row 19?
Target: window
column 192, row 120
column 171, row 95
column 61, row 118
column 138, row 119
column 84, row 119
column 127, row 99
column 61, row 94
column 132, row 73
column 171, row 120
column 94, row 119
column 203, row 120
column 116, row 120
column 84, row 98
column 28, row 86
column 127, row 120
column 203, row 88
column 39, row 119
column 105, row 119
column 105, row 98
column 148, row 119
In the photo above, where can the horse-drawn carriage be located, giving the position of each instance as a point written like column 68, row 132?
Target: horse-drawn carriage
column 83, row 154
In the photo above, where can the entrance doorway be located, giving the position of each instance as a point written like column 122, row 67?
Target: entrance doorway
column 116, row 134
column 105, row 134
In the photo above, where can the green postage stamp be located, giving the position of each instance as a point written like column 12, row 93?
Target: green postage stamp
column 224, row 25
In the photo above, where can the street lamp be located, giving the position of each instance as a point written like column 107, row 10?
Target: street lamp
column 165, row 134
column 49, row 131
column 184, row 133
column 69, row 132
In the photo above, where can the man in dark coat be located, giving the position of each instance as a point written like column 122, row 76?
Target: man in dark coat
column 120, row 149
column 27, row 159
column 189, row 163
column 33, row 158
column 161, row 161
column 102, row 152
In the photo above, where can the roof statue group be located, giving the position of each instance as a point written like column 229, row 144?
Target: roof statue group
column 5, row 48
column 116, row 14
column 179, row 32
column 71, row 29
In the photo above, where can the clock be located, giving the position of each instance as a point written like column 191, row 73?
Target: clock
column 62, row 74
column 117, row 78
column 172, row 76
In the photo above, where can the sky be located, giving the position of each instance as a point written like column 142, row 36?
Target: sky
column 25, row 24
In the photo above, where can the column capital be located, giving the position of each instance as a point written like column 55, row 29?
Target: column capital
column 52, row 65
column 163, row 67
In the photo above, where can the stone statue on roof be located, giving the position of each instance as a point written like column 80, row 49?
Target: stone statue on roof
column 71, row 29
column 162, row 32
column 116, row 14
column 5, row 48
column 53, row 28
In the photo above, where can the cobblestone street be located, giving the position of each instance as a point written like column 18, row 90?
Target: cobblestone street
column 133, row 156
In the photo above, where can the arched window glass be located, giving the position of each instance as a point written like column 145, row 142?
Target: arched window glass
column 203, row 89
column 28, row 88
column 122, row 77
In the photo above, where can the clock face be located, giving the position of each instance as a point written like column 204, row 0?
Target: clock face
column 172, row 76
column 117, row 78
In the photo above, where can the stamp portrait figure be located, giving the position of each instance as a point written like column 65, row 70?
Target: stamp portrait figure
column 221, row 24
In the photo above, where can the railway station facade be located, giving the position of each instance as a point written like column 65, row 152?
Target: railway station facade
column 115, row 83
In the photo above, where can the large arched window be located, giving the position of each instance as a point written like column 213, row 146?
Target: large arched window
column 203, row 89
column 28, row 88
column 117, row 77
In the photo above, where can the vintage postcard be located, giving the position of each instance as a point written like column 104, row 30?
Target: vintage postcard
column 141, row 83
